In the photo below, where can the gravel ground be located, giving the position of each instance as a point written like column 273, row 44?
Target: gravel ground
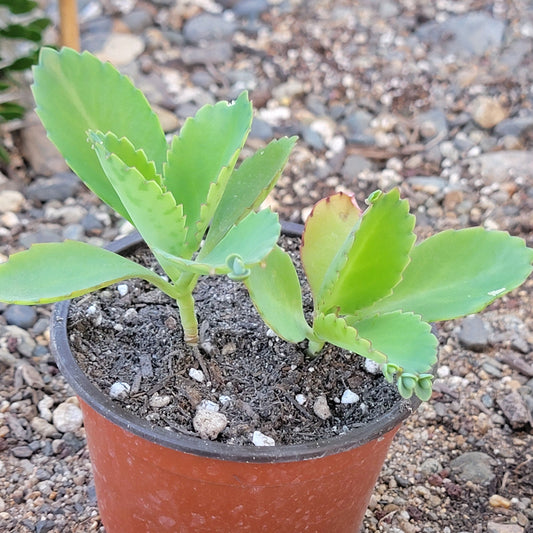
column 433, row 97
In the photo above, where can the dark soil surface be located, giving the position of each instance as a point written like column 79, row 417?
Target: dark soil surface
column 252, row 375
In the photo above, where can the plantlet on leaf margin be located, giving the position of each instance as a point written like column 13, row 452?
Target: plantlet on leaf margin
column 171, row 194
column 375, row 292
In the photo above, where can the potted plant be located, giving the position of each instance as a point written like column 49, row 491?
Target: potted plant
column 373, row 293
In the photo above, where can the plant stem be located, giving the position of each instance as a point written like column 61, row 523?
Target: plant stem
column 314, row 347
column 188, row 318
column 185, row 300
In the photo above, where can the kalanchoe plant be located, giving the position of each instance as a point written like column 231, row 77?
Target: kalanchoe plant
column 375, row 292
column 111, row 138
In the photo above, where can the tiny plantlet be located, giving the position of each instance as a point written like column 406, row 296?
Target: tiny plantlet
column 375, row 292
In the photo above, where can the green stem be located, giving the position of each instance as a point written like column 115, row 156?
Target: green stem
column 314, row 347
column 188, row 318
column 185, row 300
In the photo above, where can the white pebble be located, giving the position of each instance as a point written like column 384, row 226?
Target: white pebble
column 157, row 401
column 443, row 371
column 224, row 400
column 260, row 439
column 91, row 310
column 119, row 390
column 122, row 289
column 44, row 406
column 209, row 424
column 300, row 398
column 197, row 375
column 67, row 417
column 372, row 367
column 349, row 397
column 208, row 405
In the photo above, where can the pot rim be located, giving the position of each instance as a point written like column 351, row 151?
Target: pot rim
column 104, row 406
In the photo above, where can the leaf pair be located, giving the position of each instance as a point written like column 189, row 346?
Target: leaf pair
column 374, row 292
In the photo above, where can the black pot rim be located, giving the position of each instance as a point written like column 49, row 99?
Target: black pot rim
column 104, row 406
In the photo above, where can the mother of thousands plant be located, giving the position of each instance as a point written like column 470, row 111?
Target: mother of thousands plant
column 111, row 138
column 374, row 291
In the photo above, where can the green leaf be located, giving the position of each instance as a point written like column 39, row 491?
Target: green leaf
column 459, row 272
column 337, row 331
column 404, row 338
column 329, row 225
column 152, row 210
column 275, row 291
column 127, row 153
column 10, row 110
column 17, row 7
column 374, row 263
column 248, row 186
column 201, row 159
column 17, row 31
column 245, row 245
column 252, row 239
column 51, row 272
column 75, row 93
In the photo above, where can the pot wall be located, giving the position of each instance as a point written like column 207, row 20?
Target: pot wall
column 143, row 487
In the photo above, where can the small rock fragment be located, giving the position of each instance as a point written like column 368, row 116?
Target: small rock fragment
column 499, row 501
column 31, row 376
column 497, row 527
column 197, row 375
column 349, row 397
column 300, row 398
column 44, row 428
column 157, row 401
column 473, row 334
column 209, row 424
column 473, row 466
column 487, row 111
column 119, row 390
column 208, row 405
column 260, row 439
column 44, row 406
column 67, row 417
column 372, row 367
column 321, row 408
column 122, row 289
column 515, row 410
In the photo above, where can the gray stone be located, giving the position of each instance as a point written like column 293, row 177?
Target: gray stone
column 23, row 316
column 261, row 130
column 138, row 20
column 473, row 334
column 471, row 34
column 59, row 187
column 432, row 123
column 121, row 49
column 26, row 239
column 208, row 27
column 250, row 8
column 473, row 466
column 514, row 126
column 313, row 138
column 22, row 452
column 430, row 466
column 210, row 54
column 358, row 130
column 498, row 167
column 355, row 164
column 515, row 410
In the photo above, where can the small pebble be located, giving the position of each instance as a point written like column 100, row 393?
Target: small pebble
column 209, row 424
column 67, row 417
column 122, row 289
column 321, row 408
column 349, row 397
column 197, row 375
column 260, row 439
column 119, row 390
column 157, row 401
column 300, row 398
column 23, row 316
column 372, row 367
column 499, row 501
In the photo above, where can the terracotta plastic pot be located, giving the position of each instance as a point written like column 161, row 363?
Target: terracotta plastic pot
column 150, row 480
